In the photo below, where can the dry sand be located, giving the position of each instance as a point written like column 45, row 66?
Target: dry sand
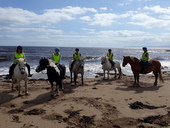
column 96, row 104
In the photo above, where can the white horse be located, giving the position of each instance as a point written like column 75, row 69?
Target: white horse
column 78, row 68
column 20, row 73
column 106, row 65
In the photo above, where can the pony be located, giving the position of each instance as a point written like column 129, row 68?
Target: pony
column 20, row 73
column 155, row 66
column 106, row 65
column 78, row 68
column 54, row 73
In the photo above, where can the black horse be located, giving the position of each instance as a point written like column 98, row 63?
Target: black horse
column 55, row 73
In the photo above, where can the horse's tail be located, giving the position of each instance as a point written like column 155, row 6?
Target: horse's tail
column 160, row 76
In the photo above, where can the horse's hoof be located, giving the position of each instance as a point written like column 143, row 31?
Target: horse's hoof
column 155, row 84
column 52, row 95
column 61, row 89
column 26, row 94
column 19, row 95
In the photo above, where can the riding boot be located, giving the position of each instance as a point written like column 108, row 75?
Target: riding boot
column 62, row 69
column 113, row 64
column 72, row 64
column 11, row 70
column 28, row 66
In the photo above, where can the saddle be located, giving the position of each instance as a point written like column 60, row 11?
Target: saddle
column 62, row 69
column 144, row 66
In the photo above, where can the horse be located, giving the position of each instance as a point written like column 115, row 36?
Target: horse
column 78, row 68
column 20, row 73
column 106, row 65
column 155, row 66
column 54, row 73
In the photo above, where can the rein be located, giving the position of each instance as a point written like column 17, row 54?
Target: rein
column 22, row 69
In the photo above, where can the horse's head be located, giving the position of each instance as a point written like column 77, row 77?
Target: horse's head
column 42, row 64
column 125, row 60
column 104, row 59
column 21, row 65
column 129, row 59
column 80, row 62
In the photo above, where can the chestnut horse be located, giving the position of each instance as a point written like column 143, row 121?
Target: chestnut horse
column 136, row 68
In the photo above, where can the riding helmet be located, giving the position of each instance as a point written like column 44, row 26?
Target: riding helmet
column 19, row 48
column 144, row 48
column 57, row 49
column 77, row 49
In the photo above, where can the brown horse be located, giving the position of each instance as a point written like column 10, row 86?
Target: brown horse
column 136, row 68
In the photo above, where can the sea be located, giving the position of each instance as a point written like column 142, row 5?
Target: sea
column 92, row 62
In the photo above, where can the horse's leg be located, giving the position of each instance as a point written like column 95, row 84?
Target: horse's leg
column 82, row 78
column 103, row 74
column 137, row 79
column 57, row 89
column 108, row 74
column 71, row 76
column 52, row 87
column 134, row 80
column 61, row 88
column 19, row 88
column 156, row 79
column 75, row 78
column 26, row 88
column 120, row 72
column 115, row 73
column 13, row 84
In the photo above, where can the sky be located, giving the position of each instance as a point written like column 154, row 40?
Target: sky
column 85, row 23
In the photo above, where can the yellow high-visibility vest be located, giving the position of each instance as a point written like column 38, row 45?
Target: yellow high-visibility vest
column 144, row 58
column 110, row 56
column 76, row 56
column 18, row 55
column 57, row 57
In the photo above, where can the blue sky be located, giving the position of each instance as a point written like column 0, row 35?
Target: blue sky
column 85, row 23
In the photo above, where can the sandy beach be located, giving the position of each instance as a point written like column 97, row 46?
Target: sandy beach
column 98, row 103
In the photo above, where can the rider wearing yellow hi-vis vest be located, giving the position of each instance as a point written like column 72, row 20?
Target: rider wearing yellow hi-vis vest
column 110, row 57
column 76, row 55
column 144, row 60
column 18, row 54
column 56, row 56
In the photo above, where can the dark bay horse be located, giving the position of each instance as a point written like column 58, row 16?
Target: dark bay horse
column 54, row 73
column 136, row 68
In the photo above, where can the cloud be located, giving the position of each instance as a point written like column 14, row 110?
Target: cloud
column 86, row 18
column 103, row 19
column 103, row 8
column 71, row 10
column 15, row 16
column 30, row 30
column 158, row 9
column 148, row 21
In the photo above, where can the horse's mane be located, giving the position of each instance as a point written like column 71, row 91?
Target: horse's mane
column 134, row 59
column 52, row 64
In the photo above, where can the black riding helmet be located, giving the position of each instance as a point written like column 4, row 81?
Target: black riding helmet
column 19, row 48
column 77, row 49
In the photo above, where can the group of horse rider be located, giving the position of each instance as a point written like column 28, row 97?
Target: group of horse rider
column 56, row 56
